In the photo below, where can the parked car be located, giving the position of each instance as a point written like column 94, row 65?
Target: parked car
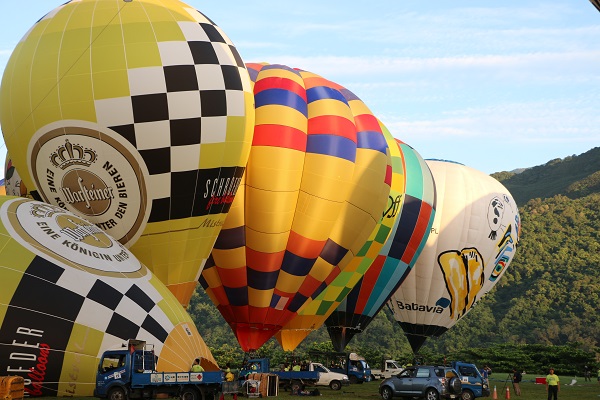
column 432, row 382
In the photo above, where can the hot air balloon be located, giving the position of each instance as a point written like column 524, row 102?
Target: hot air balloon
column 473, row 239
column 69, row 292
column 13, row 183
column 396, row 258
column 316, row 183
column 596, row 4
column 137, row 116
column 321, row 305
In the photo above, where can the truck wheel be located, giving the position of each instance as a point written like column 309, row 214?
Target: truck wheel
column 189, row 393
column 335, row 385
column 467, row 395
column 207, row 393
column 117, row 393
column 386, row 393
column 432, row 394
column 353, row 379
column 297, row 386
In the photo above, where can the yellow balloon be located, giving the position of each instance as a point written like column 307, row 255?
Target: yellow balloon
column 138, row 116
column 70, row 292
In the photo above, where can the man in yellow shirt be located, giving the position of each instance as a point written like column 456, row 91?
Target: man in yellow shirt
column 552, row 385
column 196, row 367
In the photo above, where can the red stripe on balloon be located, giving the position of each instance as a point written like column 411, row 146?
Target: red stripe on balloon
column 303, row 246
column 418, row 233
column 279, row 136
column 280, row 83
column 264, row 262
column 332, row 125
column 368, row 283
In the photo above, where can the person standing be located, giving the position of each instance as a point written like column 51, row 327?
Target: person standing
column 552, row 385
column 196, row 367
column 484, row 373
column 517, row 377
column 587, row 373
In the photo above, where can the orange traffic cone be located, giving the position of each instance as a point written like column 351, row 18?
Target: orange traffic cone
column 507, row 396
column 495, row 395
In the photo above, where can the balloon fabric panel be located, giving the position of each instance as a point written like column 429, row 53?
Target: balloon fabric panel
column 303, row 171
column 142, row 114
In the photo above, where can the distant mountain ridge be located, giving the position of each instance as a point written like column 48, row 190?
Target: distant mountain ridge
column 573, row 176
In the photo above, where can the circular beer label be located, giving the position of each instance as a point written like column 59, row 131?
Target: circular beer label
column 92, row 172
column 53, row 233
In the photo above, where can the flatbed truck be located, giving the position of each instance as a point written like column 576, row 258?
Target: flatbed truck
column 129, row 373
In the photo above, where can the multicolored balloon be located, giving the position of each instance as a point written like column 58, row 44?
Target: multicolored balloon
column 315, row 185
column 397, row 257
column 346, row 276
column 473, row 239
column 137, row 116
column 69, row 292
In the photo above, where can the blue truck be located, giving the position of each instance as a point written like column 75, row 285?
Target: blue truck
column 129, row 373
column 473, row 384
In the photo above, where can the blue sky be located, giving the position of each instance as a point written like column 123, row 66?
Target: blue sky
column 493, row 85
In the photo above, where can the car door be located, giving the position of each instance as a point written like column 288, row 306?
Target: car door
column 421, row 380
column 403, row 382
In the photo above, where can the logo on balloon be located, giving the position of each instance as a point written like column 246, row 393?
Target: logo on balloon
column 94, row 173
column 463, row 273
column 51, row 232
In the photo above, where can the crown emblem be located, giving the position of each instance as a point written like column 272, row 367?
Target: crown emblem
column 72, row 154
column 41, row 210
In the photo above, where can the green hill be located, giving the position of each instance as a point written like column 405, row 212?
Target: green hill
column 574, row 177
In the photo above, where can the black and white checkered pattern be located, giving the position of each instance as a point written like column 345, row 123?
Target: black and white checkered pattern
column 200, row 83
column 121, row 308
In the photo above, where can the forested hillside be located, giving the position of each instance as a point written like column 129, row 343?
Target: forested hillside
column 549, row 295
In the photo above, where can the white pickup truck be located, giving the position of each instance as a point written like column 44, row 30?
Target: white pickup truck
column 388, row 369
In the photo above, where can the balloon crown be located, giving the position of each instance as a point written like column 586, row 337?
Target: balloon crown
column 72, row 154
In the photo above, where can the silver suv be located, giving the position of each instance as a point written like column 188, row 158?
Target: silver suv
column 430, row 382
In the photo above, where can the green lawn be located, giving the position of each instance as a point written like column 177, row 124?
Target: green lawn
column 530, row 391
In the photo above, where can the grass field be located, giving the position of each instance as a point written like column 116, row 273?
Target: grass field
column 530, row 391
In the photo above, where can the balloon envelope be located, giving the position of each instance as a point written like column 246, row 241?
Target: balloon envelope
column 473, row 239
column 345, row 277
column 397, row 256
column 137, row 116
column 315, row 185
column 69, row 292
column 13, row 184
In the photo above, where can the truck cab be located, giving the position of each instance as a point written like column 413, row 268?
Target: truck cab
column 388, row 369
column 473, row 384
